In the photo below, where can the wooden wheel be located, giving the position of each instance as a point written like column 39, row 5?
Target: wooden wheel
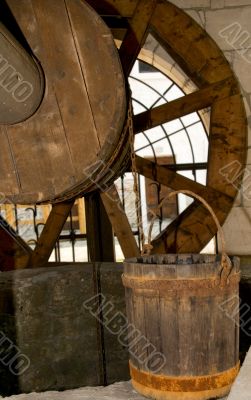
column 218, row 88
column 75, row 135
column 203, row 62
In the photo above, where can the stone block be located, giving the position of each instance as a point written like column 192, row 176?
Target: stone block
column 237, row 230
column 219, row 23
column 191, row 3
column 216, row 4
column 42, row 313
column 236, row 3
column 198, row 16
column 242, row 387
column 242, row 69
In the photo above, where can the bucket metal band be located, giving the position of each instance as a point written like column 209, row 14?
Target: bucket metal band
column 174, row 285
column 184, row 384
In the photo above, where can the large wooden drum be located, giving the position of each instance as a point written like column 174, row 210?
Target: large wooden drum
column 75, row 141
column 183, row 326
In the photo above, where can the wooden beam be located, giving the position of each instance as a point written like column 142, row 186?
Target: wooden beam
column 136, row 34
column 14, row 252
column 120, row 223
column 185, row 105
column 228, row 143
column 100, row 239
column 165, row 176
column 192, row 229
column 114, row 7
column 204, row 63
column 50, row 233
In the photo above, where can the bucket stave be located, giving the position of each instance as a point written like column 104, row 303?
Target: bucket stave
column 182, row 313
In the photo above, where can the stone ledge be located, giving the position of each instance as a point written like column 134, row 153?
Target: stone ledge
column 241, row 389
column 118, row 391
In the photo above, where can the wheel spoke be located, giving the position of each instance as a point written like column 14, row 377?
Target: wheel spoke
column 185, row 105
column 14, row 252
column 189, row 231
column 114, row 7
column 167, row 177
column 136, row 34
column 50, row 233
column 194, row 226
column 120, row 223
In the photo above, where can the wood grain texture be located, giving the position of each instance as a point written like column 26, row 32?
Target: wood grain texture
column 50, row 233
column 185, row 105
column 82, row 114
column 125, row 8
column 162, row 174
column 187, row 326
column 136, row 34
column 120, row 223
column 204, row 63
column 21, row 80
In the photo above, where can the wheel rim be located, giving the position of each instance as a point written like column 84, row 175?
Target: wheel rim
column 201, row 59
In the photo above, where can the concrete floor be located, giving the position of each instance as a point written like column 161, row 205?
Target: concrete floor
column 118, row 391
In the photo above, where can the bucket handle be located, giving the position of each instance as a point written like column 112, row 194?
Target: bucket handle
column 226, row 265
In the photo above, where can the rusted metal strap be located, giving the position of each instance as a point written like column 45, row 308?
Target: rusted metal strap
column 177, row 284
column 184, row 384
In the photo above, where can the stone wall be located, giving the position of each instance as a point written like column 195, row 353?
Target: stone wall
column 60, row 342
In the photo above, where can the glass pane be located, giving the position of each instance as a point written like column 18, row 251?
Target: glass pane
column 138, row 108
column 143, row 93
column 173, row 126
column 81, row 252
column 182, row 148
column 141, row 141
column 199, row 141
column 190, row 119
column 184, row 202
column 66, row 253
column 201, row 176
column 174, row 93
column 155, row 134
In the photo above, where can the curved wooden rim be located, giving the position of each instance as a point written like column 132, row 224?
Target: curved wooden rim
column 83, row 111
column 202, row 60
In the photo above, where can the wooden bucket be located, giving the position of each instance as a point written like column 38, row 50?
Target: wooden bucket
column 183, row 343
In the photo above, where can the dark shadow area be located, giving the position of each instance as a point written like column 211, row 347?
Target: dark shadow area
column 245, row 316
column 9, row 21
column 9, row 381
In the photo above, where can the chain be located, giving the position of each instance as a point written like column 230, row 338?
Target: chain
column 135, row 176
